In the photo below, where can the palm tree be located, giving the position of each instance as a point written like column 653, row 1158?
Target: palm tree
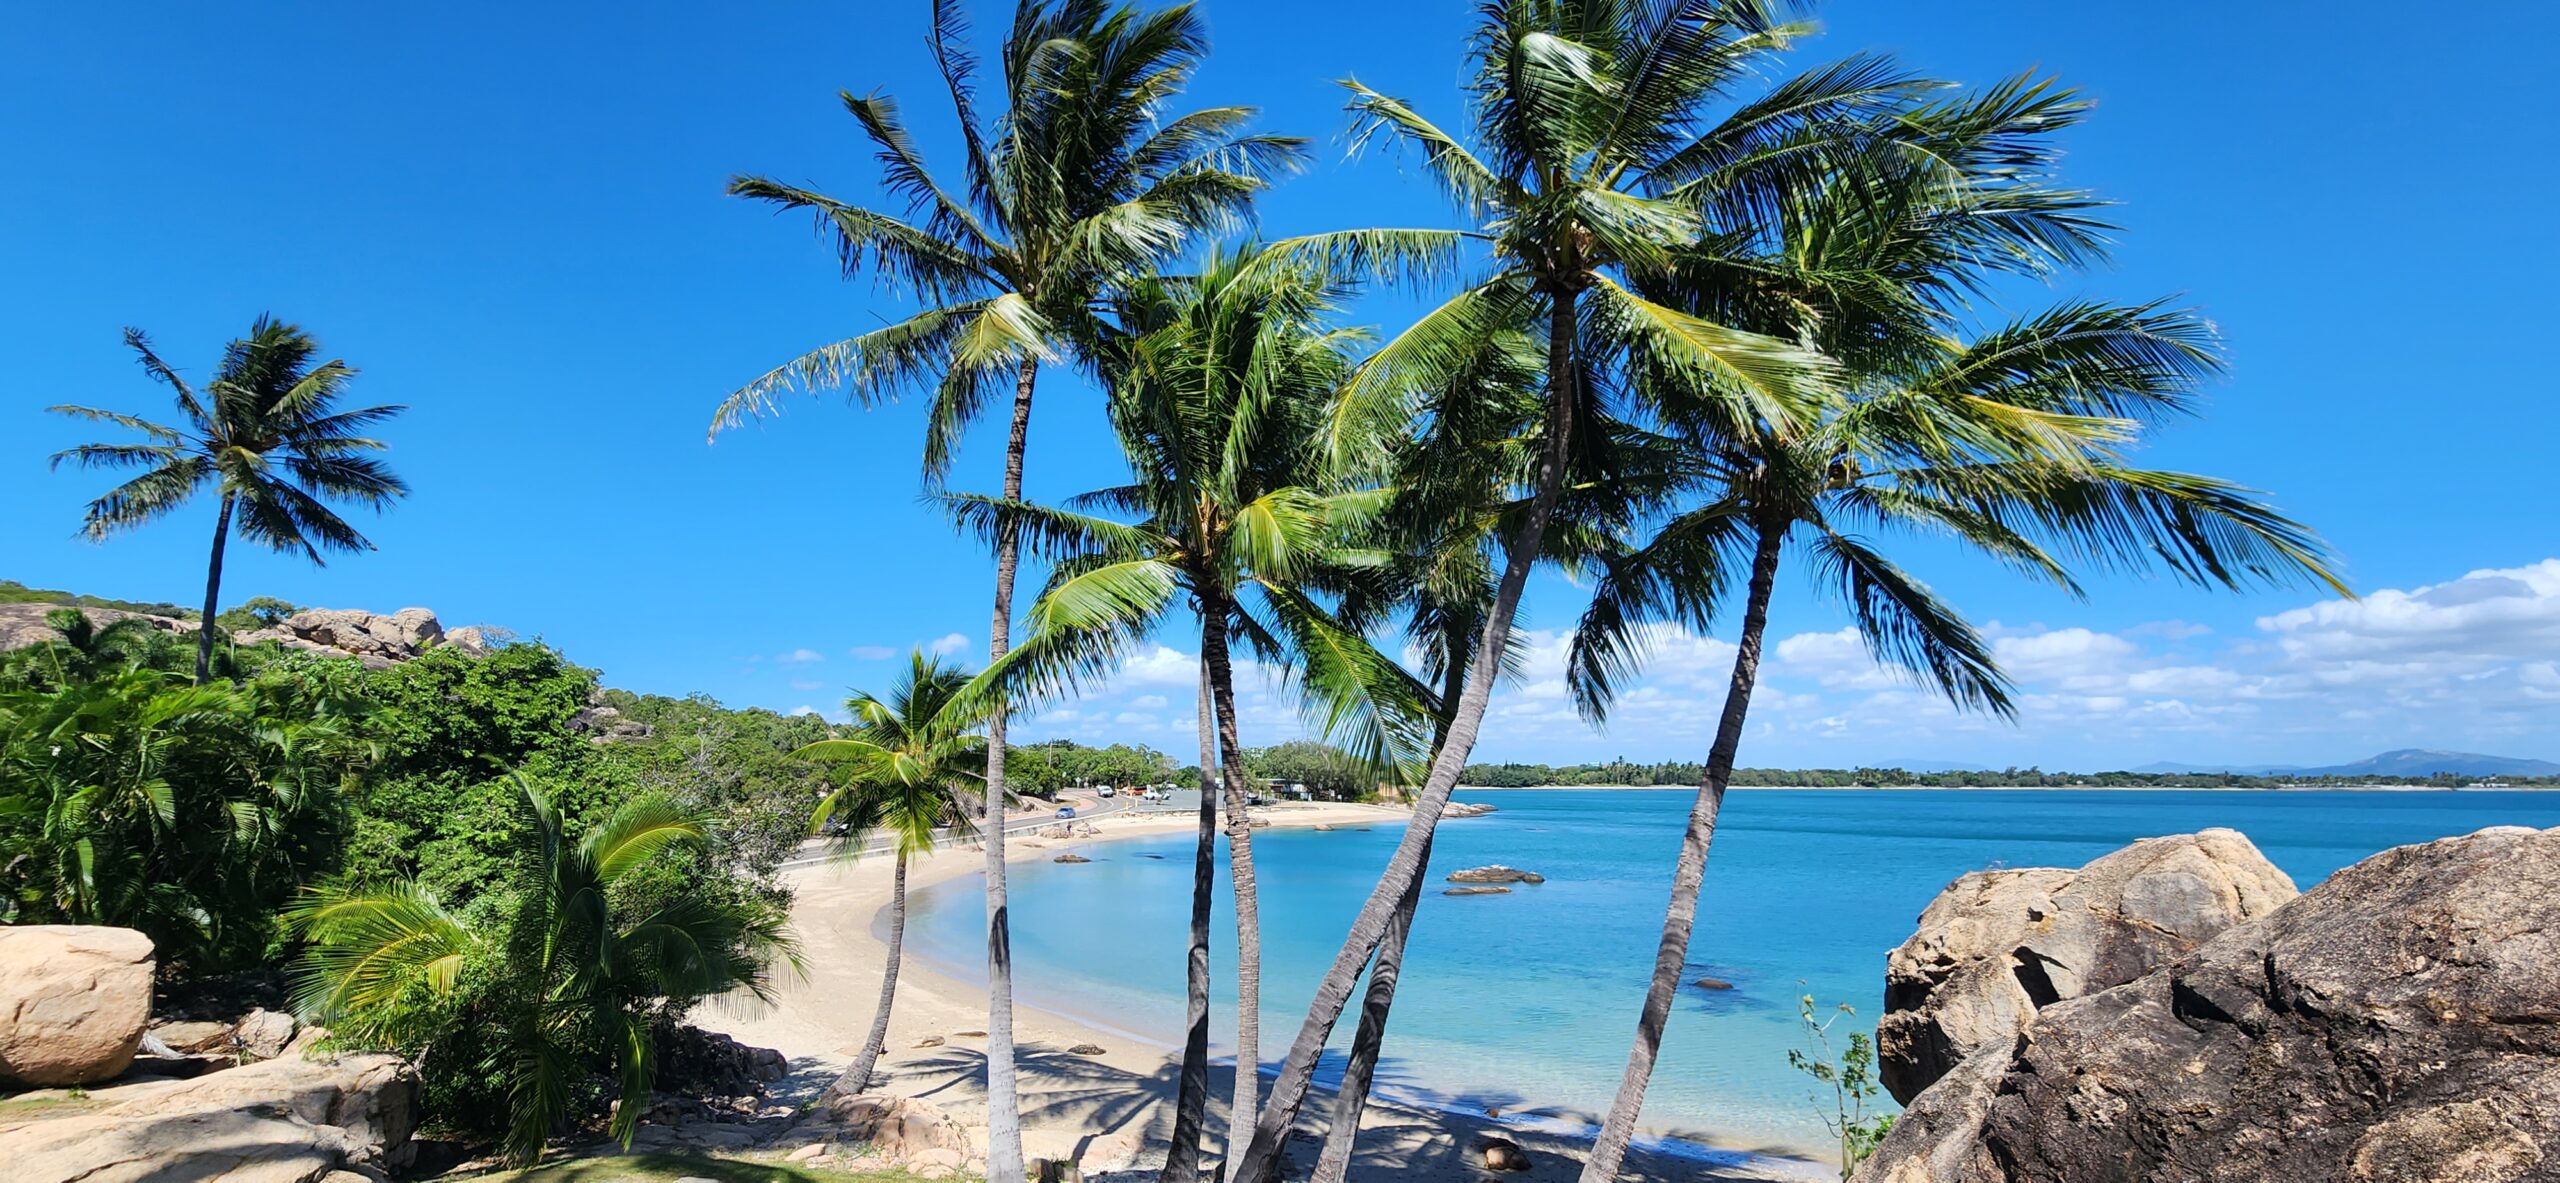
column 1077, row 185
column 1219, row 397
column 1596, row 161
column 268, row 434
column 910, row 766
column 570, row 968
column 2012, row 444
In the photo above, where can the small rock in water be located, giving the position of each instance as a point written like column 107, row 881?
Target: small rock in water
column 1497, row 873
column 1712, row 984
column 1071, row 858
column 1501, row 1154
column 1325, row 827
column 1477, row 891
column 1087, row 1049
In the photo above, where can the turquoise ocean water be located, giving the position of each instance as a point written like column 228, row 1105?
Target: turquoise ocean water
column 1527, row 1001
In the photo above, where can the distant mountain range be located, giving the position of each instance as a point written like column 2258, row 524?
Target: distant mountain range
column 2399, row 762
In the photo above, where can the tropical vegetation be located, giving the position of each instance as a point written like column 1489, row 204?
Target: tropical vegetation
column 1698, row 319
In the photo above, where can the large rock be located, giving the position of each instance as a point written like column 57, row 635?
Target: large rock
column 898, row 1128
column 73, row 1002
column 281, row 1121
column 2400, row 1022
column 1997, row 946
column 375, row 639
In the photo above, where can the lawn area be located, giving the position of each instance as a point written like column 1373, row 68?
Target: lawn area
column 667, row 1168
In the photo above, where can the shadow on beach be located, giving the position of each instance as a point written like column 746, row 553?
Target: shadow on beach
column 1416, row 1135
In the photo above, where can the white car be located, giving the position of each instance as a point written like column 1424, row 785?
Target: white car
column 1106, row 791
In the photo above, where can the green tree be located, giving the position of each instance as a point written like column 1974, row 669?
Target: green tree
column 909, row 767
column 266, row 434
column 188, row 812
column 1080, row 183
column 1597, row 158
column 1219, row 397
column 2011, row 444
column 1851, row 1077
column 570, row 975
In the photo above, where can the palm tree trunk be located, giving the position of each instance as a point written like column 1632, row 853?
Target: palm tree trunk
column 212, row 594
column 1342, row 1135
column 859, row 1080
column 1222, row 692
column 1689, row 874
column 1351, row 1101
column 1191, row 1097
column 1004, row 1105
column 1262, row 1160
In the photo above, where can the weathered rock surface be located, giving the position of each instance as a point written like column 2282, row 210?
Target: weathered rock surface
column 1477, row 891
column 73, row 1002
column 281, row 1121
column 1996, row 946
column 375, row 639
column 899, row 1128
column 1071, row 858
column 1497, row 873
column 1465, row 809
column 22, row 625
column 2400, row 1022
column 602, row 722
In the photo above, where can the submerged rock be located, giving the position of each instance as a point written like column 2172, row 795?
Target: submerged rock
column 1071, row 858
column 1712, row 984
column 2400, row 1021
column 1996, row 946
column 1477, row 891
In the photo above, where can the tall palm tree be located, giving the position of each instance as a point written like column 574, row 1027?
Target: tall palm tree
column 267, row 434
column 910, row 767
column 2012, row 445
column 1079, row 183
column 1219, row 396
column 569, row 968
column 1597, row 158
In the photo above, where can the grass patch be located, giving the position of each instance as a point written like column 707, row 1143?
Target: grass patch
column 56, row 1104
column 667, row 1168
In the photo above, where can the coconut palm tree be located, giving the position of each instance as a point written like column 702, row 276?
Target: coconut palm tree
column 1219, row 396
column 1596, row 157
column 267, row 434
column 570, row 968
column 909, row 767
column 2012, row 444
column 1077, row 184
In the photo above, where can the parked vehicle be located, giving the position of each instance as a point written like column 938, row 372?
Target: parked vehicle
column 1106, row 791
column 1066, row 811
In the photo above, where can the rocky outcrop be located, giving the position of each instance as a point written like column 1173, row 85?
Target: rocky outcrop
column 376, row 640
column 2401, row 1022
column 73, row 1002
column 1997, row 946
column 22, row 625
column 283, row 1121
column 1465, row 809
column 1497, row 873
column 897, row 1128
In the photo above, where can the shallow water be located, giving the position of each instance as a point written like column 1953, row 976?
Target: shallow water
column 1528, row 1000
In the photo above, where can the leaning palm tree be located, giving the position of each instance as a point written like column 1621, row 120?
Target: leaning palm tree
column 1077, row 184
column 267, row 434
column 2012, row 444
column 1597, row 158
column 1219, row 396
column 910, row 767
column 569, row 968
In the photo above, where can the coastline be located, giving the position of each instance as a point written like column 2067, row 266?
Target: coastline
column 2368, row 788
column 1122, row 1093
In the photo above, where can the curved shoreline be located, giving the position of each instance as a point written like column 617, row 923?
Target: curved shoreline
column 821, row 1016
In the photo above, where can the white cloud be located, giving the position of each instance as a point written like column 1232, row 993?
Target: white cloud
column 802, row 657
column 874, row 652
column 2470, row 663
column 948, row 645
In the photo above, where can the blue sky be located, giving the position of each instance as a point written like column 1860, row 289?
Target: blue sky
column 511, row 218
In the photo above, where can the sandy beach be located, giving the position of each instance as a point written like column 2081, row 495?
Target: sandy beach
column 1124, row 1092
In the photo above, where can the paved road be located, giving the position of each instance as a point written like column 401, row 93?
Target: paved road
column 814, row 851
